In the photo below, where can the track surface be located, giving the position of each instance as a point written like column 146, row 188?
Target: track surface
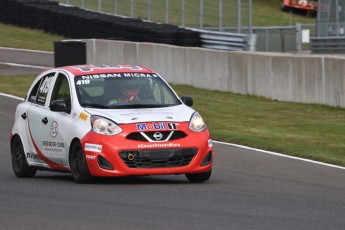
column 248, row 190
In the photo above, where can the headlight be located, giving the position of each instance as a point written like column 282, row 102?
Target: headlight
column 196, row 123
column 104, row 126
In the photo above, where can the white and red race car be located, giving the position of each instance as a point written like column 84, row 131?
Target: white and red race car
column 108, row 121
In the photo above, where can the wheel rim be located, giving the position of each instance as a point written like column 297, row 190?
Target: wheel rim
column 17, row 156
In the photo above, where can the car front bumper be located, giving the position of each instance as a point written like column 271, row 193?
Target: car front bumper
column 117, row 155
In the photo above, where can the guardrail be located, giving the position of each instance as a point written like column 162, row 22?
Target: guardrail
column 227, row 41
column 328, row 45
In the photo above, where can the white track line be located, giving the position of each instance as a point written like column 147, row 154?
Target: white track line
column 11, row 96
column 28, row 66
column 279, row 154
column 238, row 146
column 28, row 50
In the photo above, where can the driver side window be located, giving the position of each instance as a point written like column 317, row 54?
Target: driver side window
column 62, row 91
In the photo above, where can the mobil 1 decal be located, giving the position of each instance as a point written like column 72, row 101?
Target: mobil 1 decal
column 152, row 126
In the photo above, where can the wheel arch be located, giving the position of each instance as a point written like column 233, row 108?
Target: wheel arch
column 73, row 142
column 13, row 136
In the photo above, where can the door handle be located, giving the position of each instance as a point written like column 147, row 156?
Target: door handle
column 23, row 116
column 45, row 120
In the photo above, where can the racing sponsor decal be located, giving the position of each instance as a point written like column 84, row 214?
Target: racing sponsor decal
column 50, row 163
column 43, row 90
column 93, row 147
column 159, row 145
column 54, row 129
column 33, row 156
column 91, row 68
column 83, row 116
column 146, row 112
column 53, row 146
column 156, row 126
column 90, row 157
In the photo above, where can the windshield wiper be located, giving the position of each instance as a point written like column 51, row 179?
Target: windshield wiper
column 91, row 105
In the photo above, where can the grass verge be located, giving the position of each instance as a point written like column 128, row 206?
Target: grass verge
column 309, row 131
column 19, row 37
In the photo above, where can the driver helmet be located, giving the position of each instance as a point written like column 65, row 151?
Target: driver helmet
column 130, row 91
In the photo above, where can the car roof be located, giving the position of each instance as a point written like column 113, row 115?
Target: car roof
column 78, row 70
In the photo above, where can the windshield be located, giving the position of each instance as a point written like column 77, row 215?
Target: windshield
column 124, row 90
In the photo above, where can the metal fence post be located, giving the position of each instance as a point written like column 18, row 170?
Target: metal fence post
column 267, row 38
column 251, row 42
column 99, row 5
column 183, row 13
column 220, row 15
column 250, row 17
column 167, row 11
column 132, row 8
column 115, row 7
column 148, row 10
column 298, row 37
column 201, row 13
column 239, row 16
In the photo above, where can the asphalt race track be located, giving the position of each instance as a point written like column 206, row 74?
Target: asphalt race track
column 248, row 190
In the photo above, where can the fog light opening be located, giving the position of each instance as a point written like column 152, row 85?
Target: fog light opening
column 207, row 160
column 104, row 163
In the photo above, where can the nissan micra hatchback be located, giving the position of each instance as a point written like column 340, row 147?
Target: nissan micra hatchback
column 108, row 121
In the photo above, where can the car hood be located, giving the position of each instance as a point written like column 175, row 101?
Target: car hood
column 179, row 113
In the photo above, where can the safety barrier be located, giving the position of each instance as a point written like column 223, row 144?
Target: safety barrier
column 328, row 45
column 227, row 41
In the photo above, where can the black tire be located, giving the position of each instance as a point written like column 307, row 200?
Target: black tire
column 79, row 168
column 199, row 177
column 19, row 164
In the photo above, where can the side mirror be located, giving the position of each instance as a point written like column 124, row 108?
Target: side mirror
column 59, row 106
column 187, row 100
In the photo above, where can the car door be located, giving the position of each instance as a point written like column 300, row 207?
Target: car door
column 38, row 99
column 56, row 134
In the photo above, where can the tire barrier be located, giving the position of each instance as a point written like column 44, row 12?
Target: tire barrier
column 77, row 23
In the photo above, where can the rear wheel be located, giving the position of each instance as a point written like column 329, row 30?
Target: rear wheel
column 79, row 168
column 19, row 164
column 199, row 177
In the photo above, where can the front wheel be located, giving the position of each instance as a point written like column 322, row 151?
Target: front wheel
column 19, row 164
column 199, row 177
column 79, row 168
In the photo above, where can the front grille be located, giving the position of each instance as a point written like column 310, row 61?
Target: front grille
column 139, row 137
column 158, row 158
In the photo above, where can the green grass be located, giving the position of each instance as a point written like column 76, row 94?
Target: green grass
column 18, row 37
column 265, row 12
column 309, row 131
column 16, row 85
